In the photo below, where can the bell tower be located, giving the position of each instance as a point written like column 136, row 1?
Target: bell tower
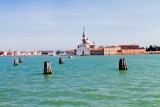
column 84, row 40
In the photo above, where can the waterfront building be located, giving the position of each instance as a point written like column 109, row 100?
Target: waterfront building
column 85, row 47
column 6, row 53
column 17, row 53
column 70, row 52
column 9, row 53
column 108, row 50
column 29, row 53
column 111, row 50
column 132, row 49
column 39, row 53
column 36, row 53
column 115, row 50
column 59, row 52
column 97, row 51
column 51, row 53
column 3, row 53
column 93, row 46
column 23, row 53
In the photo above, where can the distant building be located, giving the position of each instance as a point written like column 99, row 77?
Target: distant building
column 93, row 46
column 115, row 50
column 52, row 53
column 9, row 53
column 23, row 53
column 85, row 47
column 132, row 49
column 97, row 51
column 39, row 53
column 17, row 53
column 59, row 52
column 129, row 46
column 34, row 53
column 70, row 52
column 3, row 53
column 29, row 53
column 109, row 50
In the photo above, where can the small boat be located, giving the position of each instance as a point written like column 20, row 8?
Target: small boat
column 70, row 57
column 26, row 55
column 52, row 55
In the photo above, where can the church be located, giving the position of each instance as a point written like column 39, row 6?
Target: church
column 84, row 48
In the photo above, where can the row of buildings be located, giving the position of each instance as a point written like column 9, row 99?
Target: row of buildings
column 87, row 48
column 116, row 50
column 24, row 53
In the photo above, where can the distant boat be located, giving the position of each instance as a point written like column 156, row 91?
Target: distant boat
column 70, row 57
column 26, row 55
column 53, row 55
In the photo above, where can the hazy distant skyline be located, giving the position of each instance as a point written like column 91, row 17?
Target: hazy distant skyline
column 58, row 24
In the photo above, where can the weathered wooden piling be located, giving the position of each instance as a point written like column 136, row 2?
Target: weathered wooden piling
column 20, row 60
column 15, row 62
column 122, row 64
column 47, row 67
column 61, row 61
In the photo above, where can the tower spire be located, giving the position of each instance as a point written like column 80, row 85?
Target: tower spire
column 83, row 32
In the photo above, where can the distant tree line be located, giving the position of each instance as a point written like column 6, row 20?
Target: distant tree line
column 153, row 48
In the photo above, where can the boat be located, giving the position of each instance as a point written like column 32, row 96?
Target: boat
column 70, row 57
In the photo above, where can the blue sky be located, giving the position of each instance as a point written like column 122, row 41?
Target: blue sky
column 58, row 24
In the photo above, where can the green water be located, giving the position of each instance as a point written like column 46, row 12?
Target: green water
column 89, row 81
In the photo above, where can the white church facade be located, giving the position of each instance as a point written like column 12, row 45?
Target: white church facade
column 84, row 48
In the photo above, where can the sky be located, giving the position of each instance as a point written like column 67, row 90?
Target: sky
column 27, row 25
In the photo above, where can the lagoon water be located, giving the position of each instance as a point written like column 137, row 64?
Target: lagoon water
column 88, row 81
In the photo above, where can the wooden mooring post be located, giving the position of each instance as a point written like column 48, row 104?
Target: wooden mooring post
column 15, row 62
column 122, row 64
column 47, row 67
column 61, row 61
column 20, row 60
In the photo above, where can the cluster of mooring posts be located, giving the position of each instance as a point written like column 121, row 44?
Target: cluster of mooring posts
column 122, row 64
column 16, row 61
column 48, row 68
